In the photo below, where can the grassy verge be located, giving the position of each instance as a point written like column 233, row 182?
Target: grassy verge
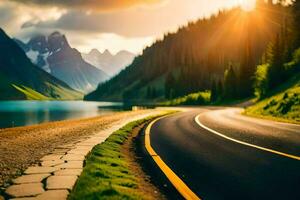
column 107, row 174
column 283, row 105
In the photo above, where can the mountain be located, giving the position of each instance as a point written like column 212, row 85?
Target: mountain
column 21, row 79
column 111, row 64
column 54, row 55
column 190, row 59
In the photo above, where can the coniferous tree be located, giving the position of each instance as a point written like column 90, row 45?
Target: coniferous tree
column 153, row 93
column 214, row 92
column 275, row 72
column 230, row 84
column 169, row 85
column 247, row 71
column 148, row 93
column 220, row 91
column 296, row 14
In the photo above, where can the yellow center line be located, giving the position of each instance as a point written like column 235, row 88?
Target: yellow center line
column 181, row 187
column 244, row 143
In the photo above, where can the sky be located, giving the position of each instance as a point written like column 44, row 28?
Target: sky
column 106, row 24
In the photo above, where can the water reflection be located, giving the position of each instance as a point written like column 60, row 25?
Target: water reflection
column 22, row 113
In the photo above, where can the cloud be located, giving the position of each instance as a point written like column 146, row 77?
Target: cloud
column 124, row 24
column 8, row 15
column 14, row 17
column 84, row 27
column 99, row 5
column 27, row 24
column 137, row 22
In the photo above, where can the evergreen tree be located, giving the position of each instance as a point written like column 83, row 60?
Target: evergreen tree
column 276, row 71
column 148, row 93
column 169, row 85
column 230, row 83
column 153, row 93
column 214, row 92
column 220, row 91
column 247, row 71
column 296, row 14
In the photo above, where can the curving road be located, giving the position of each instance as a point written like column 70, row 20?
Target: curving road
column 215, row 167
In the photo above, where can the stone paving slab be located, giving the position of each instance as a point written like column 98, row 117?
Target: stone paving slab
column 52, row 163
column 87, row 148
column 68, row 172
column 34, row 178
column 79, row 151
column 40, row 170
column 53, row 195
column 51, row 157
column 61, row 182
column 73, row 157
column 25, row 190
column 71, row 165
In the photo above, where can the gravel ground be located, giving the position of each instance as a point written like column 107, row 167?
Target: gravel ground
column 23, row 146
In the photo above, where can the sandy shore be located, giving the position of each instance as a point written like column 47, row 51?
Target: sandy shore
column 23, row 146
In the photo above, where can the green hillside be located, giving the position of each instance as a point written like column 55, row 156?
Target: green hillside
column 20, row 79
column 283, row 105
column 197, row 55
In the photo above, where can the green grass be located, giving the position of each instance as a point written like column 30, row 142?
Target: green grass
column 282, row 105
column 63, row 93
column 30, row 94
column 66, row 94
column 107, row 174
column 200, row 98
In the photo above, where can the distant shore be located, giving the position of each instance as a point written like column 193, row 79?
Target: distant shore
column 23, row 146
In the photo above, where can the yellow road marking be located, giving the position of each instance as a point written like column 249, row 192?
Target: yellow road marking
column 245, row 143
column 181, row 187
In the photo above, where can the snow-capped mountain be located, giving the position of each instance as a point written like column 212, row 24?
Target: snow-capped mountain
column 54, row 55
column 111, row 64
column 21, row 79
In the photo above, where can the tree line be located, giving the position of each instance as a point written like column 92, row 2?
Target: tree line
column 279, row 62
column 218, row 53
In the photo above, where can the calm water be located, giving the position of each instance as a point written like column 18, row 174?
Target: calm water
column 23, row 113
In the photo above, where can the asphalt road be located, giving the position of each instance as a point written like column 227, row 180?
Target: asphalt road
column 217, row 168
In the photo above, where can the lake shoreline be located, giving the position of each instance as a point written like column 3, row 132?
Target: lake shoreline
column 26, row 113
column 21, row 147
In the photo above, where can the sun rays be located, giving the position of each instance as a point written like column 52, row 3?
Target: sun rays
column 247, row 5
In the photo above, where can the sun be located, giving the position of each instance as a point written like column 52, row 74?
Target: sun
column 248, row 5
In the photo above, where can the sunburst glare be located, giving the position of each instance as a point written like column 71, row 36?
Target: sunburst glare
column 247, row 5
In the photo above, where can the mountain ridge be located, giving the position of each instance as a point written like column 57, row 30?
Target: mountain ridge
column 54, row 54
column 112, row 64
column 21, row 79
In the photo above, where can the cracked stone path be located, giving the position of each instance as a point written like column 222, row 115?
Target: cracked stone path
column 56, row 174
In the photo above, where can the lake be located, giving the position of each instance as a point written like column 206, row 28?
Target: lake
column 24, row 113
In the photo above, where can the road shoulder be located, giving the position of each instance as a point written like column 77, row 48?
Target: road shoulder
column 112, row 170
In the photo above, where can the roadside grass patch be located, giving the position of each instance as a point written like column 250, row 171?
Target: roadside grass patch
column 106, row 174
column 284, row 105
